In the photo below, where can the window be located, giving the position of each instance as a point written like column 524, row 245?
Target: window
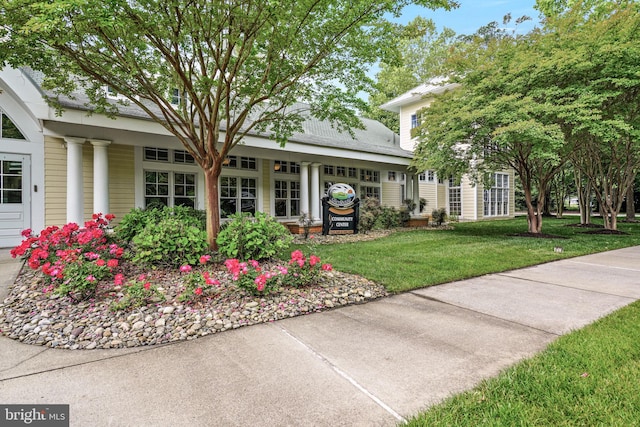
column 373, row 192
column 237, row 195
column 170, row 188
column 329, row 170
column 455, row 197
column 8, row 129
column 391, row 176
column 341, row 171
column 428, row 176
column 352, row 173
column 286, row 167
column 177, row 98
column 369, row 175
column 10, row 181
column 181, row 156
column 414, row 121
column 156, row 154
column 287, row 198
column 247, row 163
column 496, row 199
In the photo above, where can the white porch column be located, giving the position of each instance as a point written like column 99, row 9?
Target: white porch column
column 75, row 189
column 100, row 176
column 315, row 191
column 415, row 187
column 304, row 187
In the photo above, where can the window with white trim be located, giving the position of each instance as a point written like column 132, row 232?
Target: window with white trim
column 455, row 197
column 369, row 191
column 391, row 176
column 496, row 199
column 8, row 129
column 281, row 166
column 369, row 175
column 414, row 121
column 246, row 163
column 169, row 188
column 287, row 198
column 237, row 194
column 428, row 176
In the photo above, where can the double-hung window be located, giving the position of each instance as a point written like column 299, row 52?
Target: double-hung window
column 237, row 194
column 170, row 178
column 496, row 198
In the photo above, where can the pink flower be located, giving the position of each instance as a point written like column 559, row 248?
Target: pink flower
column 253, row 263
column 100, row 262
column 260, row 282
column 186, row 268
column 26, row 232
column 297, row 255
column 313, row 260
column 210, row 280
column 327, row 267
column 205, row 259
column 147, row 285
column 300, row 263
column 90, row 278
column 112, row 263
column 198, row 291
column 118, row 279
column 109, row 217
column 142, row 277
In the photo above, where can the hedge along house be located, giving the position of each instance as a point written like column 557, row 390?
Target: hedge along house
column 62, row 168
column 461, row 198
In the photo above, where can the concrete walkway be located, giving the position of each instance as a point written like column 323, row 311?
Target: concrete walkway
column 366, row 365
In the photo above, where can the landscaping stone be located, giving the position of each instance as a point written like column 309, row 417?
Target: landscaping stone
column 33, row 317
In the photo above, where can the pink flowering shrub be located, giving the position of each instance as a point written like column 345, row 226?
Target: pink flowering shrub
column 251, row 277
column 303, row 271
column 72, row 259
column 198, row 284
column 137, row 293
column 299, row 272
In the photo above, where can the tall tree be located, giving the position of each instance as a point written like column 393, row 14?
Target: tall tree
column 493, row 120
column 236, row 65
column 422, row 51
column 593, row 60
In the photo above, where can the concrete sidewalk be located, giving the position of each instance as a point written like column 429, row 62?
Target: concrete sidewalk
column 369, row 365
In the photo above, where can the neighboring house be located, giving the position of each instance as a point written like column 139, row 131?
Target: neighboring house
column 462, row 198
column 62, row 168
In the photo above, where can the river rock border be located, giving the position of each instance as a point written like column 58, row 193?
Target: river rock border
column 33, row 317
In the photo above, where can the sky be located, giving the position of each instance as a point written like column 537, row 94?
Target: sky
column 473, row 14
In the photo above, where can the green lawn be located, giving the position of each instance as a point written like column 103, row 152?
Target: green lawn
column 417, row 258
column 587, row 378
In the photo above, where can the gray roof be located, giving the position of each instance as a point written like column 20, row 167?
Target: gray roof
column 374, row 138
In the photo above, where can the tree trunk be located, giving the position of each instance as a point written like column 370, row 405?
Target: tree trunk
column 211, row 176
column 584, row 196
column 534, row 214
column 631, row 205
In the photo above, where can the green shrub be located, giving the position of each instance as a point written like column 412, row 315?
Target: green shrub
column 170, row 242
column 246, row 237
column 439, row 216
column 388, row 217
column 370, row 209
column 137, row 219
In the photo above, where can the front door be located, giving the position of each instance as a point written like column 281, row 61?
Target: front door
column 15, row 200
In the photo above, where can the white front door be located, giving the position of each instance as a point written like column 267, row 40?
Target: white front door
column 15, row 200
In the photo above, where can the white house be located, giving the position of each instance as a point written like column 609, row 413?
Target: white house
column 462, row 199
column 62, row 168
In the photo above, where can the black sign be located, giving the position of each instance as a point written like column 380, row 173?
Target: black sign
column 340, row 221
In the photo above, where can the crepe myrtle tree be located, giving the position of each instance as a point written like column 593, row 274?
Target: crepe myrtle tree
column 234, row 66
